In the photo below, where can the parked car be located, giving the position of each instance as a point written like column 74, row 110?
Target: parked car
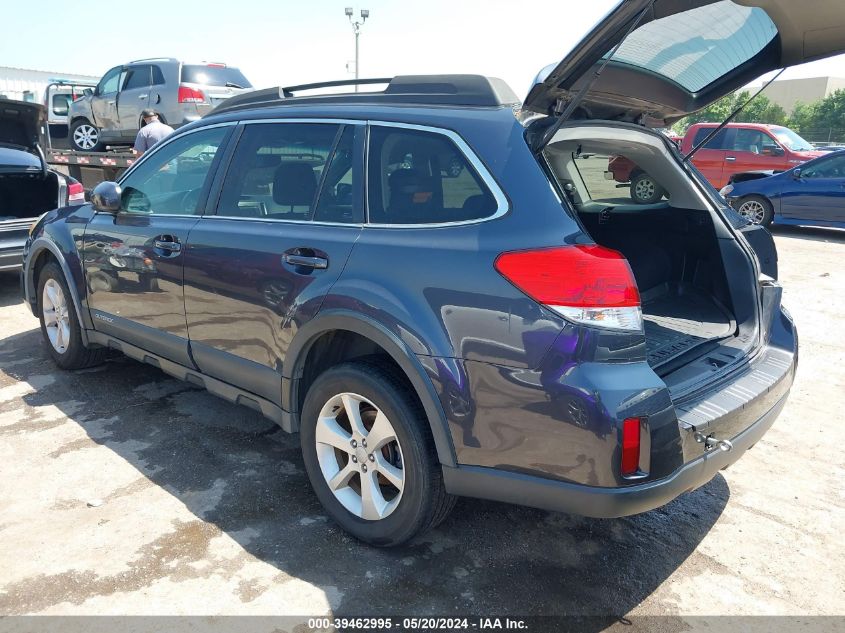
column 28, row 188
column 180, row 92
column 739, row 147
column 498, row 334
column 810, row 194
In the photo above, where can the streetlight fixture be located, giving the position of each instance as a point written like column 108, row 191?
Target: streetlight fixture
column 356, row 28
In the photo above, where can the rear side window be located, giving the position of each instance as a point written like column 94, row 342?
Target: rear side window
column 214, row 76
column 276, row 171
column 717, row 142
column 137, row 77
column 158, row 76
column 417, row 177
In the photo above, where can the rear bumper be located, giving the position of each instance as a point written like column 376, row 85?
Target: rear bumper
column 538, row 492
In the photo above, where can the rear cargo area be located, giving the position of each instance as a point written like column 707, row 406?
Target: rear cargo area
column 27, row 195
column 675, row 259
column 697, row 284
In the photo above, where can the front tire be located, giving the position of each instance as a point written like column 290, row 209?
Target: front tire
column 756, row 209
column 645, row 190
column 369, row 454
column 85, row 137
column 60, row 327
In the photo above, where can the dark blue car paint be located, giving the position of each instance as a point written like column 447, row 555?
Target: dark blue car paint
column 508, row 386
column 798, row 201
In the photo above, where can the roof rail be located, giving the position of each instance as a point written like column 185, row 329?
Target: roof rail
column 154, row 59
column 287, row 92
column 455, row 90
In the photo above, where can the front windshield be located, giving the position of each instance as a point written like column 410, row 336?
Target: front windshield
column 791, row 140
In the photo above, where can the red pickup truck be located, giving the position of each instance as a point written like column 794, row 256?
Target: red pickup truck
column 739, row 147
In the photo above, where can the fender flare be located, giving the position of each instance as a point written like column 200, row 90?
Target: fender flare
column 369, row 328
column 39, row 245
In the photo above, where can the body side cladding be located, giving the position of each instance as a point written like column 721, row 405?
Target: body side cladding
column 212, row 385
column 38, row 246
column 330, row 320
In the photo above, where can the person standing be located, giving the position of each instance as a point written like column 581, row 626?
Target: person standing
column 151, row 133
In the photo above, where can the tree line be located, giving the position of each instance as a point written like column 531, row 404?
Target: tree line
column 822, row 121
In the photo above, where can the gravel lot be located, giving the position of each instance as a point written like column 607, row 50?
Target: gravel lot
column 124, row 491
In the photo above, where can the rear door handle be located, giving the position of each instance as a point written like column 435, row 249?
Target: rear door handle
column 143, row 96
column 305, row 260
column 731, row 158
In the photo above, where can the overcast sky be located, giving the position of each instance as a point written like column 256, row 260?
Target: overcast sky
column 289, row 42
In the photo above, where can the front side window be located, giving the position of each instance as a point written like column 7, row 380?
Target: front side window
column 417, row 177
column 110, row 81
column 276, row 171
column 833, row 167
column 170, row 180
column 754, row 141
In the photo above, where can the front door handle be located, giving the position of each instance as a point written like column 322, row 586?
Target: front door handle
column 306, row 261
column 168, row 245
column 731, row 158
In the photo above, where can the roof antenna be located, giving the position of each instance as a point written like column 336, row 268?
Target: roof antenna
column 576, row 101
column 730, row 118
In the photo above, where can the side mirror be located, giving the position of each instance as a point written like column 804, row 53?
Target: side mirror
column 796, row 173
column 88, row 92
column 106, row 197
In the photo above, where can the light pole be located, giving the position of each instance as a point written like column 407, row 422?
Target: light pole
column 356, row 28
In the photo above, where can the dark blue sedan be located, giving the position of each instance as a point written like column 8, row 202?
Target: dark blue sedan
column 812, row 194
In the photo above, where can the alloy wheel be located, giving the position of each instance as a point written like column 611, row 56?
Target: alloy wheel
column 753, row 211
column 359, row 456
column 86, row 136
column 644, row 189
column 56, row 321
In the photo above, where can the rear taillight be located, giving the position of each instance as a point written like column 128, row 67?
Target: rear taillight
column 190, row 95
column 630, row 446
column 75, row 193
column 588, row 284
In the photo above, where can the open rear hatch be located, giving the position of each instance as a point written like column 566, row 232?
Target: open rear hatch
column 681, row 55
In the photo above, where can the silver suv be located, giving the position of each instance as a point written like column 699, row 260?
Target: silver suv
column 110, row 113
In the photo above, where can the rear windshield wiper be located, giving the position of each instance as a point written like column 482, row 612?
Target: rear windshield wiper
column 231, row 84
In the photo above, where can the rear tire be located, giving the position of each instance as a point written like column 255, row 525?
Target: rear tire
column 405, row 494
column 645, row 190
column 756, row 209
column 85, row 137
column 60, row 327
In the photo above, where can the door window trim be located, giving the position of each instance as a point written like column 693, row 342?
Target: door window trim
column 213, row 169
column 216, row 191
column 502, row 203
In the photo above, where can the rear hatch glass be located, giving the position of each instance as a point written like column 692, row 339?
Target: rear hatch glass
column 222, row 76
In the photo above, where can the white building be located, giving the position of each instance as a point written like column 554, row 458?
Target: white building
column 787, row 92
column 28, row 85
